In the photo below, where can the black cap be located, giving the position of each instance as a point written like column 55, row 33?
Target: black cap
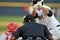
column 35, row 1
column 28, row 18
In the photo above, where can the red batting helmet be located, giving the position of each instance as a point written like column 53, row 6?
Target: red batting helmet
column 12, row 27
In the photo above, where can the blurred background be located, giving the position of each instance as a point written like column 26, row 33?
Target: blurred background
column 12, row 11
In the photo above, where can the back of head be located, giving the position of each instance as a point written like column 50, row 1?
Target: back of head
column 28, row 18
column 35, row 1
column 12, row 27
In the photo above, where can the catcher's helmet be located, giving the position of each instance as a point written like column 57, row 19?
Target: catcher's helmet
column 12, row 27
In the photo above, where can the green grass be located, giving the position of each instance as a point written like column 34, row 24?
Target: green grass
column 58, row 39
column 13, row 18
column 9, row 18
column 58, row 19
column 2, row 28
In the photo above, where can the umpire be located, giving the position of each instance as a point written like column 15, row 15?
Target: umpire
column 32, row 31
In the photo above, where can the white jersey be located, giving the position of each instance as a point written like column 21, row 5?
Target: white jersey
column 45, row 6
column 50, row 22
column 56, row 33
column 53, row 22
column 45, row 18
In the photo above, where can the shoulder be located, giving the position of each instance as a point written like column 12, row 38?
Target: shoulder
column 40, row 25
column 47, row 7
column 43, row 25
